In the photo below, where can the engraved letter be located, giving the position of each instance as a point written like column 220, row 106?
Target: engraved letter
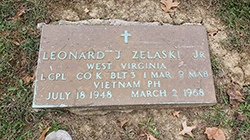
column 90, row 54
column 98, row 55
column 59, row 55
column 135, row 53
column 49, row 96
column 164, row 92
column 154, row 93
column 61, row 96
column 205, row 74
column 58, row 75
column 157, row 83
column 157, row 55
column 90, row 66
column 136, row 85
column 67, row 94
column 196, row 54
column 87, row 78
column 164, row 53
column 142, row 54
column 98, row 75
column 74, row 55
column 119, row 55
column 124, row 65
column 149, row 93
column 112, row 75
column 193, row 75
column 52, row 55
column 171, row 54
column 168, row 74
column 63, row 78
column 44, row 56
column 77, row 76
column 82, row 55
column 149, row 57
column 96, row 85
column 53, row 96
column 50, row 77
column 140, row 67
column 202, row 55
column 149, row 83
column 135, row 94
column 109, row 65
column 42, row 78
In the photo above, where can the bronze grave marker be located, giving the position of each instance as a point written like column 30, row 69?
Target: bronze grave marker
column 95, row 66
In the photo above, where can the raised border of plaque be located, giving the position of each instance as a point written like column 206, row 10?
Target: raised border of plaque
column 116, row 66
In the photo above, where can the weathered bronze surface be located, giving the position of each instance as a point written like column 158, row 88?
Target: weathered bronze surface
column 94, row 66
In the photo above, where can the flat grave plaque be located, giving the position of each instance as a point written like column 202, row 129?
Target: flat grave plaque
column 95, row 66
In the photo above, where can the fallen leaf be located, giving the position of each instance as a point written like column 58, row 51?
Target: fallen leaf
column 176, row 113
column 168, row 5
column 22, row 19
column 123, row 122
column 240, row 116
column 43, row 134
column 4, row 32
column 29, row 78
column 214, row 133
column 15, row 42
column 47, row 21
column 149, row 136
column 141, row 135
column 20, row 12
column 212, row 33
column 9, row 18
column 86, row 10
column 187, row 130
column 234, row 95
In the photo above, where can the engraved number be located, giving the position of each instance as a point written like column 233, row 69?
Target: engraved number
column 175, row 92
column 80, row 95
column 188, row 92
column 109, row 95
column 104, row 94
column 96, row 94
column 133, row 74
column 181, row 73
column 201, row 92
column 195, row 93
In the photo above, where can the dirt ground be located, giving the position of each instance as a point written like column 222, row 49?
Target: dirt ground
column 231, row 66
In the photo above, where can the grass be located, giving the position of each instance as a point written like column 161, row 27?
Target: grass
column 216, row 64
column 56, row 126
column 149, row 126
column 237, row 122
column 19, row 43
column 236, row 15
